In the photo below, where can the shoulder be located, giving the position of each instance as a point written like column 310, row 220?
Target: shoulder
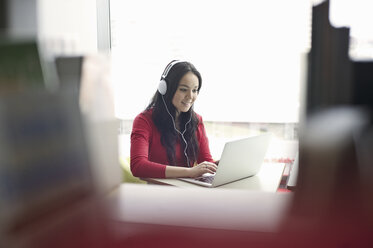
column 199, row 118
column 146, row 113
column 201, row 132
column 200, row 124
column 144, row 117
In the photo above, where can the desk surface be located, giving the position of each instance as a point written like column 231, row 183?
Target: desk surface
column 230, row 209
column 268, row 179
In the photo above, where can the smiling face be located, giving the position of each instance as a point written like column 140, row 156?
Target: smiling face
column 186, row 93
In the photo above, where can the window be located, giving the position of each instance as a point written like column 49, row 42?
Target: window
column 248, row 52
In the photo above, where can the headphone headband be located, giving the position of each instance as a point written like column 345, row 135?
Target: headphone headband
column 168, row 68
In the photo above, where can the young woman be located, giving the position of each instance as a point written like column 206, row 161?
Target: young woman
column 168, row 138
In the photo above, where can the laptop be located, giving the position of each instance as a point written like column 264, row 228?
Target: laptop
column 240, row 159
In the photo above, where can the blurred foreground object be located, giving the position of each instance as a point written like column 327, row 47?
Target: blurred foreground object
column 101, row 126
column 47, row 194
column 20, row 66
column 23, row 66
column 332, row 203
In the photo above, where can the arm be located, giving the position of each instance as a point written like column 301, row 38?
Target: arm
column 141, row 166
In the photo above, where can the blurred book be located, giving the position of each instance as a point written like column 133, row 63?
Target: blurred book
column 44, row 162
column 22, row 68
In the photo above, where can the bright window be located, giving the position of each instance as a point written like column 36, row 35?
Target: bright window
column 251, row 54
column 248, row 52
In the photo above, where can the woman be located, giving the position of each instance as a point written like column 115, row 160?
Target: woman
column 168, row 139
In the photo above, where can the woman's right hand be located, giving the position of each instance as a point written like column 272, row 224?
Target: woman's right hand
column 202, row 168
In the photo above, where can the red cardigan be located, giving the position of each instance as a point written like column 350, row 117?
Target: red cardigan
column 149, row 157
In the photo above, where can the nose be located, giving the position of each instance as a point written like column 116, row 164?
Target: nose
column 189, row 94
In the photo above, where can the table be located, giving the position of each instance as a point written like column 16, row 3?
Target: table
column 252, row 204
column 267, row 180
column 229, row 209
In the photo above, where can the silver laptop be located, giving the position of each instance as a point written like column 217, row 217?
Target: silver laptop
column 240, row 159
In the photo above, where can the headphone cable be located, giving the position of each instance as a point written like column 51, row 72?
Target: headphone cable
column 181, row 133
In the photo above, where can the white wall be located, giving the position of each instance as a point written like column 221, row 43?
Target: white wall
column 22, row 16
column 68, row 26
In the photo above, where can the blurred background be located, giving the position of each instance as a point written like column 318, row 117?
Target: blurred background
column 75, row 73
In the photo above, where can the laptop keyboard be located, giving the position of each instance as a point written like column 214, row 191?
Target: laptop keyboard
column 206, row 179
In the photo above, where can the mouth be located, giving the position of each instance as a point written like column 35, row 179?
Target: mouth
column 187, row 104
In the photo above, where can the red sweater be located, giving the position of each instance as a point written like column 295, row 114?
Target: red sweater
column 149, row 157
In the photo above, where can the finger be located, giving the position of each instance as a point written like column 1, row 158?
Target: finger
column 209, row 163
column 210, row 168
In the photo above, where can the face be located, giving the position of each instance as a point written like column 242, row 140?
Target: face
column 186, row 93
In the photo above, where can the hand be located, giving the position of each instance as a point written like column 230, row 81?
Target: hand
column 202, row 168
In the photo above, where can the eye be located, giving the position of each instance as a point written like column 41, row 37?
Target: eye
column 183, row 89
column 195, row 91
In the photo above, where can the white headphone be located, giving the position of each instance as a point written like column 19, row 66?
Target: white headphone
column 162, row 89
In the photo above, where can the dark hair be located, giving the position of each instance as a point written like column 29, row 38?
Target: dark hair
column 162, row 119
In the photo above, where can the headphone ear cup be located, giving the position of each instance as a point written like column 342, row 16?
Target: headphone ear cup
column 162, row 87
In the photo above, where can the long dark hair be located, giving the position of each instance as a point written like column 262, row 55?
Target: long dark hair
column 162, row 119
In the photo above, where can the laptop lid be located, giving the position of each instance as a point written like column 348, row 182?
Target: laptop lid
column 240, row 159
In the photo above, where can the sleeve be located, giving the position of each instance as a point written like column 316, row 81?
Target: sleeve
column 204, row 149
column 140, row 140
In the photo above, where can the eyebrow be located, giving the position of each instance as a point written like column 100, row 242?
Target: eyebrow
column 184, row 85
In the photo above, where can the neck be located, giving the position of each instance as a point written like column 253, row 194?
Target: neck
column 177, row 114
column 177, row 123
